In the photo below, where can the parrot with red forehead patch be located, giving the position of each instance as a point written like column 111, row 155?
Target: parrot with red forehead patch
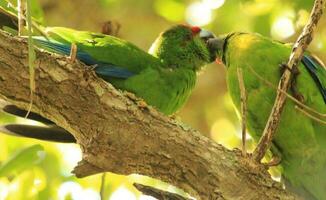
column 164, row 76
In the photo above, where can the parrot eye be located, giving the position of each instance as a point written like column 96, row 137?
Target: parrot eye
column 195, row 30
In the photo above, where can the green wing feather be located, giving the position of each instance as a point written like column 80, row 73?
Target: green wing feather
column 105, row 48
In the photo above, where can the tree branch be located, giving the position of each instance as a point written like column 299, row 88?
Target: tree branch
column 243, row 99
column 116, row 135
column 298, row 49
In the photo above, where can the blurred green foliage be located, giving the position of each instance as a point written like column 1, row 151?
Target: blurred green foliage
column 29, row 172
column 36, row 9
column 23, row 159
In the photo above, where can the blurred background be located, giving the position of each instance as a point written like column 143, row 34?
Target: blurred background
column 43, row 172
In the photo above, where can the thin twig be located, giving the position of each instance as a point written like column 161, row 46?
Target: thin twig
column 298, row 49
column 309, row 115
column 31, row 56
column 73, row 52
column 102, row 188
column 34, row 24
column 21, row 5
column 243, row 109
column 159, row 194
column 305, row 107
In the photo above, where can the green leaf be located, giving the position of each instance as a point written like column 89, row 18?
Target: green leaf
column 21, row 160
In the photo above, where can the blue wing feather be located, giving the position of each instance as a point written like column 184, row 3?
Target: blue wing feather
column 106, row 70
column 312, row 67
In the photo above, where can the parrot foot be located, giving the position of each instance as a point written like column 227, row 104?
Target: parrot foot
column 293, row 87
column 175, row 117
column 296, row 93
column 142, row 104
column 295, row 71
column 274, row 162
column 130, row 95
column 73, row 53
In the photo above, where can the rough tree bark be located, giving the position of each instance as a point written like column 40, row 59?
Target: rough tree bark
column 117, row 135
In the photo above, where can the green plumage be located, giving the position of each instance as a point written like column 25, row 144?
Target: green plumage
column 164, row 78
column 299, row 141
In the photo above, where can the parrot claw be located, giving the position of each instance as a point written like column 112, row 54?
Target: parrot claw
column 274, row 162
column 174, row 116
column 73, row 53
column 283, row 67
column 142, row 104
column 295, row 72
column 296, row 93
column 130, row 95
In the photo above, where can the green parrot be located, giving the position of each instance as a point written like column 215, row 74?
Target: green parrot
column 300, row 141
column 164, row 76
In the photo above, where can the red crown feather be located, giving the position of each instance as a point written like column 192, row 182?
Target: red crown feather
column 195, row 29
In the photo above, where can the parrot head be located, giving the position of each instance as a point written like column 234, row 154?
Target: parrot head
column 183, row 46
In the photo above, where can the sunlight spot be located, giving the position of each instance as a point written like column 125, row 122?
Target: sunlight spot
column 320, row 45
column 122, row 193
column 71, row 155
column 4, row 190
column 14, row 186
column 69, row 188
column 76, row 192
column 277, row 178
column 214, row 4
column 37, row 181
column 89, row 194
column 145, row 197
column 198, row 14
column 224, row 132
column 283, row 28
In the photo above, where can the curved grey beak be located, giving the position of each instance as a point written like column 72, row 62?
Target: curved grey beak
column 207, row 36
column 204, row 34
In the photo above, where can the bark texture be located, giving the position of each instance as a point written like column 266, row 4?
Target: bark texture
column 118, row 134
